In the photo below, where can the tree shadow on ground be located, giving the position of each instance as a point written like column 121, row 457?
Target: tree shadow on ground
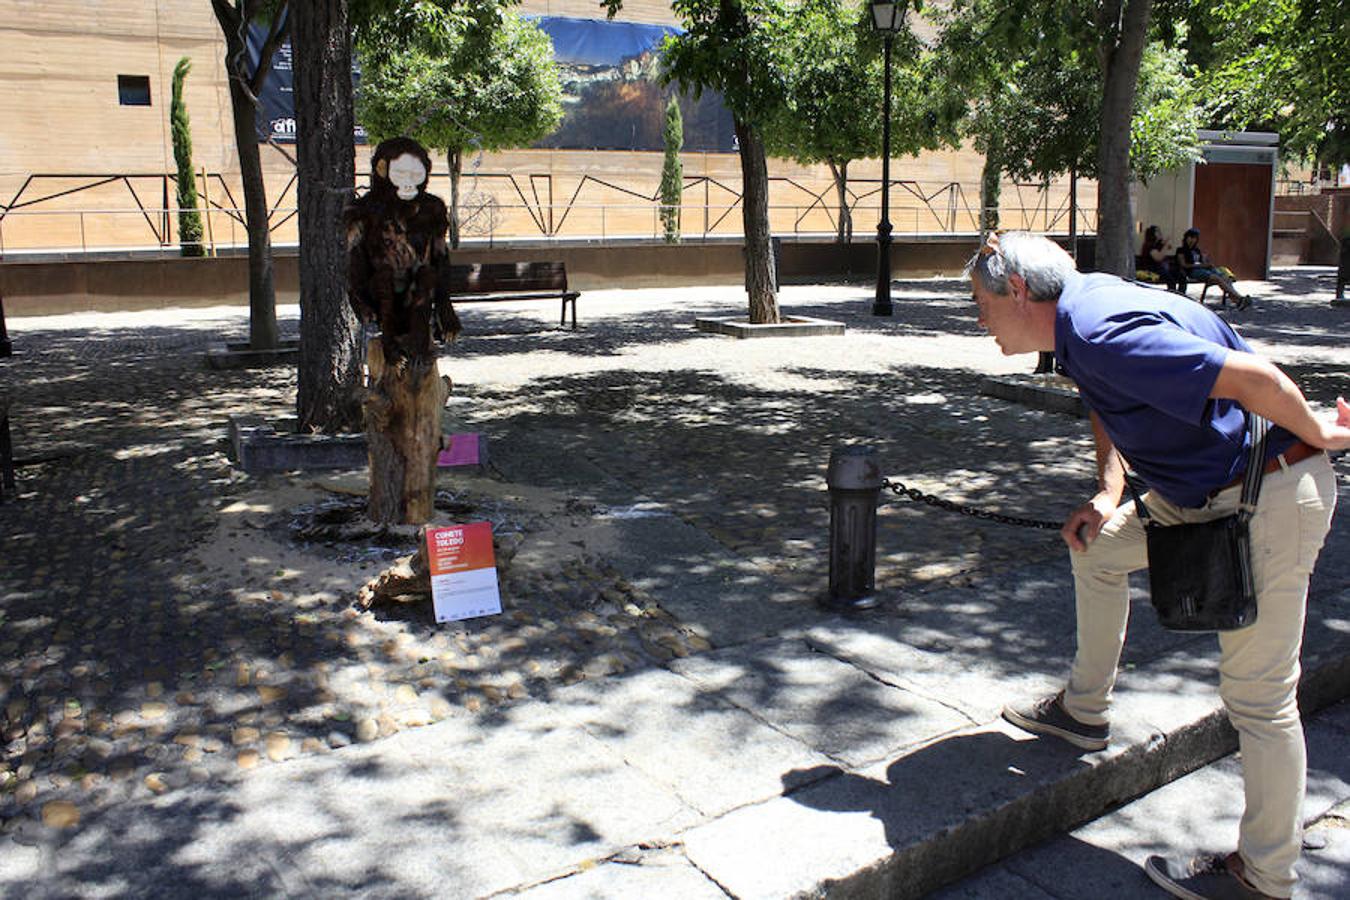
column 113, row 649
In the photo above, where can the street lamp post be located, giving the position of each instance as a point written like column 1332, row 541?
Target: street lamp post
column 888, row 18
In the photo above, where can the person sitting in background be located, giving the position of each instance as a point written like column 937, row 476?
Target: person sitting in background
column 1196, row 266
column 1158, row 257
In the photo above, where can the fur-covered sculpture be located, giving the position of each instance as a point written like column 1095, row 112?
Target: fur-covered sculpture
column 399, row 258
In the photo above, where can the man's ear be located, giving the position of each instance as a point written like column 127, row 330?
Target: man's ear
column 1017, row 287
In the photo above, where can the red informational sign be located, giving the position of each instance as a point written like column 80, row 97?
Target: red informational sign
column 463, row 571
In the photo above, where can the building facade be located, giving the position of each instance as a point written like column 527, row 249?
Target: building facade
column 86, row 157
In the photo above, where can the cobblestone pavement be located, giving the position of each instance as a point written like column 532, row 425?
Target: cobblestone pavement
column 159, row 622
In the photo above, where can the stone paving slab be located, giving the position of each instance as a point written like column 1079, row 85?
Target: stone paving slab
column 727, row 598
column 835, row 708
column 194, row 842
column 936, row 811
column 1197, row 813
column 447, row 805
column 712, row 754
column 628, row 879
column 954, row 642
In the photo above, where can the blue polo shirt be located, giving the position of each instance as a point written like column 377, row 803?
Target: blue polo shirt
column 1145, row 361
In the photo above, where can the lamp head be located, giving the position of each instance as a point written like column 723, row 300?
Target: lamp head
column 888, row 17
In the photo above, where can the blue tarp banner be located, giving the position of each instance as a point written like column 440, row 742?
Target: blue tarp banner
column 612, row 98
column 276, row 100
column 592, row 42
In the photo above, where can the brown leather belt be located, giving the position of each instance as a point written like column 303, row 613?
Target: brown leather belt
column 1297, row 453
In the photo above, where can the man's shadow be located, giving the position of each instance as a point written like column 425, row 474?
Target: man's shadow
column 962, row 803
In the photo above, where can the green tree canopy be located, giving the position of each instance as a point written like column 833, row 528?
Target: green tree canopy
column 1041, row 77
column 830, row 112
column 455, row 77
column 729, row 46
column 1278, row 64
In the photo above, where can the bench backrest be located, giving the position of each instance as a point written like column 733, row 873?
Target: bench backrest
column 488, row 278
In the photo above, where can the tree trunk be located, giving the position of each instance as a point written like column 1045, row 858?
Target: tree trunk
column 1123, row 25
column 403, row 433
column 1342, row 268
column 262, row 298
column 991, row 187
column 840, row 174
column 455, row 160
column 759, row 262
column 1073, row 212
column 328, row 398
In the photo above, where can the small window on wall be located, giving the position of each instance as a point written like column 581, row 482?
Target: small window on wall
column 133, row 90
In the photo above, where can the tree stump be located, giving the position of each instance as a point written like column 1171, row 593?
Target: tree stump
column 408, row 577
column 403, row 435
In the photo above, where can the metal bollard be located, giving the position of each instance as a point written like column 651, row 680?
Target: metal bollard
column 854, row 480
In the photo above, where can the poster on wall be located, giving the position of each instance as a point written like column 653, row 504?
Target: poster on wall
column 276, row 100
column 612, row 95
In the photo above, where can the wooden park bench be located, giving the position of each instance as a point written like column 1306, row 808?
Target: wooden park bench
column 485, row 282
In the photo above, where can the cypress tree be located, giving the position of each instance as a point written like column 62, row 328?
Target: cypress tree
column 672, row 172
column 189, row 219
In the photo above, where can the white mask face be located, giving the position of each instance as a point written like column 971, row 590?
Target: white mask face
column 407, row 173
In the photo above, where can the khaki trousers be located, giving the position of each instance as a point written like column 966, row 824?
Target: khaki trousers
column 1259, row 664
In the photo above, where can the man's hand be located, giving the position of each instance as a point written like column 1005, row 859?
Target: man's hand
column 1336, row 435
column 1085, row 522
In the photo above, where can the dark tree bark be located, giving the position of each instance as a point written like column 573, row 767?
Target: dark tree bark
column 1343, row 267
column 1073, row 213
column 403, row 434
column 455, row 159
column 328, row 398
column 1123, row 25
column 759, row 273
column 262, row 300
column 840, row 173
column 991, row 187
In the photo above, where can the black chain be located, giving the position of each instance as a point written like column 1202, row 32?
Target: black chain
column 916, row 494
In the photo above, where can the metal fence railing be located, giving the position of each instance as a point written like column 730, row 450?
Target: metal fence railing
column 65, row 212
column 54, row 231
column 34, row 231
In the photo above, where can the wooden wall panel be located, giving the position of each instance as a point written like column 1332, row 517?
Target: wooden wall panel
column 1232, row 205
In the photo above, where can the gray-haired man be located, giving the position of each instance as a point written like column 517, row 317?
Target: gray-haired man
column 1167, row 384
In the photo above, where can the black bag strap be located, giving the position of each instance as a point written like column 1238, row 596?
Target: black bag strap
column 1259, row 429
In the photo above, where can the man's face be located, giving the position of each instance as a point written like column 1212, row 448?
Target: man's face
column 1005, row 316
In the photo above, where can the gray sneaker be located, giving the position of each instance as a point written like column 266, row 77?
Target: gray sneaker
column 1207, row 877
column 1048, row 716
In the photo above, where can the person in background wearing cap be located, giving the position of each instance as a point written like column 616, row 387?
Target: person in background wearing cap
column 1167, row 383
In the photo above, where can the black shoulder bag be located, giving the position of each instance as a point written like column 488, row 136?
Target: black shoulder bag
column 1200, row 574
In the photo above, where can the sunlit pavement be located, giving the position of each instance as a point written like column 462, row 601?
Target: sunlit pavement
column 191, row 704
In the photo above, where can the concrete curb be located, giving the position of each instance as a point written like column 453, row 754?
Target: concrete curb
column 241, row 356
column 1052, row 393
column 261, row 445
column 791, row 326
column 1079, row 797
